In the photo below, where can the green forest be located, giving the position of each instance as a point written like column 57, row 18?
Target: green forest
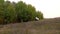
column 12, row 12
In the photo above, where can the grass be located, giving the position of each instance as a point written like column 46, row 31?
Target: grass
column 46, row 26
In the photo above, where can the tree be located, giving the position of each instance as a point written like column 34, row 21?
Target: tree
column 1, row 11
column 17, row 12
column 26, row 12
column 9, row 12
column 31, row 12
column 39, row 14
column 1, row 1
column 21, row 8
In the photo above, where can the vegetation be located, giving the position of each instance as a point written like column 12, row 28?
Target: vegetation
column 45, row 26
column 17, row 12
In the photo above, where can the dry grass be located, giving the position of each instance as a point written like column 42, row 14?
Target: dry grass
column 46, row 26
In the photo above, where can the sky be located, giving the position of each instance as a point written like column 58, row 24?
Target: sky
column 49, row 8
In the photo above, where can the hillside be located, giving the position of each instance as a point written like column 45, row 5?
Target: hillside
column 46, row 26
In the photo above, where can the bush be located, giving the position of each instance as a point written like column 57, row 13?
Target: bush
column 18, row 12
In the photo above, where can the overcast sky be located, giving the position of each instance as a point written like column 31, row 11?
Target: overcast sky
column 50, row 8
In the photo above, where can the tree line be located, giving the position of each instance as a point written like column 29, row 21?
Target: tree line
column 11, row 12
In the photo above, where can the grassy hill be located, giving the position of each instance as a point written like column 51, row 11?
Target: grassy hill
column 46, row 26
